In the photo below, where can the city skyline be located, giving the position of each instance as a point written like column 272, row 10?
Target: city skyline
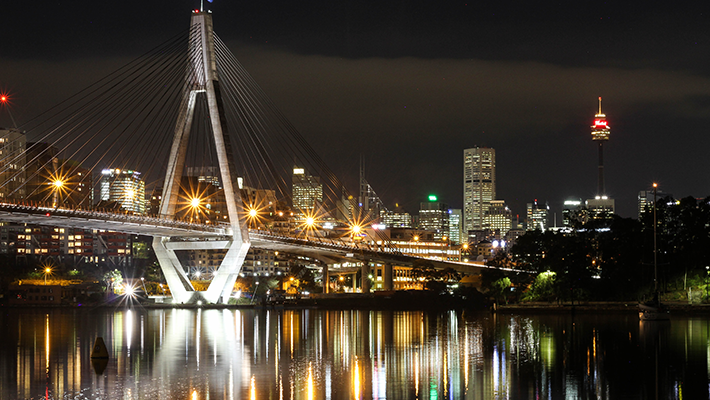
column 409, row 102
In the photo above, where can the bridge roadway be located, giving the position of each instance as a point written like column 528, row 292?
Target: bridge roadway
column 182, row 233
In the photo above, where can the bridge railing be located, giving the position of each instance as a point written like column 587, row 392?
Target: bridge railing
column 31, row 207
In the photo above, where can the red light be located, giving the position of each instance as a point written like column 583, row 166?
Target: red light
column 47, row 214
column 3, row 98
column 599, row 122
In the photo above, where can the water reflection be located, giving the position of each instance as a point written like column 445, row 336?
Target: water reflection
column 311, row 354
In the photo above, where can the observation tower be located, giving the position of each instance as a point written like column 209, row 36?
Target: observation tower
column 600, row 134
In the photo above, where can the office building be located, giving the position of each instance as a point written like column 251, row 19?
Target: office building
column 455, row 228
column 479, row 185
column 573, row 212
column 12, row 164
column 537, row 216
column 397, row 218
column 434, row 217
column 645, row 200
column 498, row 218
column 124, row 187
column 306, row 192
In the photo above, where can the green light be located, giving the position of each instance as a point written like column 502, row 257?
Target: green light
column 432, row 197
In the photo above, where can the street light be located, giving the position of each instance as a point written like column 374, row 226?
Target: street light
column 47, row 271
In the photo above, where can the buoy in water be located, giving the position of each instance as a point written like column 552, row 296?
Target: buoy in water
column 99, row 350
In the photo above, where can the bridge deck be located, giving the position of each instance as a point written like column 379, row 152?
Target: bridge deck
column 326, row 250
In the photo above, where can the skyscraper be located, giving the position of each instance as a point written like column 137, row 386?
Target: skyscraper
column 479, row 185
column 434, row 217
column 498, row 218
column 537, row 216
column 307, row 192
column 124, row 187
column 12, row 163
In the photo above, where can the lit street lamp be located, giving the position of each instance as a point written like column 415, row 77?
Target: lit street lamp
column 47, row 271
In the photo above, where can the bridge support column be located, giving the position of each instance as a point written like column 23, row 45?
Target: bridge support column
column 365, row 279
column 387, row 277
column 326, row 279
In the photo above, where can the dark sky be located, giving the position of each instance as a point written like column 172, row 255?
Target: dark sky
column 409, row 84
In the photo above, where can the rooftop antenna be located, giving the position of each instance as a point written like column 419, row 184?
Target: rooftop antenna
column 600, row 105
column 5, row 100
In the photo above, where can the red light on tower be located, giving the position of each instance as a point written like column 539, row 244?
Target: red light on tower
column 600, row 129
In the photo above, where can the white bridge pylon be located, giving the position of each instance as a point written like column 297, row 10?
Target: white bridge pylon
column 202, row 81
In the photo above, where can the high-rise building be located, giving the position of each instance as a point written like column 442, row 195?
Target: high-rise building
column 498, row 218
column 572, row 211
column 369, row 202
column 600, row 208
column 434, row 217
column 12, row 163
column 455, row 217
column 124, row 187
column 306, row 191
column 537, row 217
column 645, row 200
column 397, row 218
column 479, row 185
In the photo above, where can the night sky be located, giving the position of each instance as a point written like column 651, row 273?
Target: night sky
column 408, row 85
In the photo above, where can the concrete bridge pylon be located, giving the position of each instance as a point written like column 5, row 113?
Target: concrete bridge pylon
column 202, row 80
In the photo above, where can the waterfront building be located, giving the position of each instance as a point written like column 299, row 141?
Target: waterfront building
column 124, row 187
column 479, row 185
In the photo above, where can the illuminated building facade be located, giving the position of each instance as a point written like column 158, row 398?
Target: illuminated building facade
column 645, row 200
column 124, row 187
column 434, row 217
column 537, row 216
column 572, row 210
column 397, row 218
column 306, row 192
column 455, row 218
column 12, row 163
column 498, row 218
column 479, row 185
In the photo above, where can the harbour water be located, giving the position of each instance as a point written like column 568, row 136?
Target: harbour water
column 349, row 354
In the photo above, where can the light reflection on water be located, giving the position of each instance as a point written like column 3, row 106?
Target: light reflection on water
column 314, row 354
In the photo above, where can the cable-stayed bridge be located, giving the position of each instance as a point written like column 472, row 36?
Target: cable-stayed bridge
column 228, row 170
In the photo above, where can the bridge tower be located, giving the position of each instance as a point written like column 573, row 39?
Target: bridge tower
column 202, row 80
